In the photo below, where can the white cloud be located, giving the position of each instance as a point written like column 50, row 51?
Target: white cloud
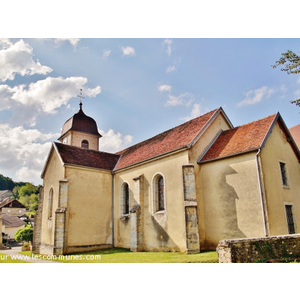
column 256, row 96
column 24, row 150
column 128, row 51
column 59, row 41
column 44, row 96
column 5, row 97
column 168, row 43
column 164, row 88
column 297, row 94
column 113, row 142
column 170, row 69
column 18, row 59
column 194, row 113
column 283, row 88
column 106, row 53
column 185, row 99
column 72, row 41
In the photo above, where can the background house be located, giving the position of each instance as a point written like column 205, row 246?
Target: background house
column 295, row 131
column 11, row 224
column 4, row 194
column 12, row 207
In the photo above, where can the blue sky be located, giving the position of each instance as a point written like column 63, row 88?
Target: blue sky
column 134, row 88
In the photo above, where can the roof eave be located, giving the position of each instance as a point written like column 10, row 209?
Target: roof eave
column 228, row 156
column 186, row 147
column 87, row 167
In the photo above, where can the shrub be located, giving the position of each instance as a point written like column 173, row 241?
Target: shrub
column 24, row 234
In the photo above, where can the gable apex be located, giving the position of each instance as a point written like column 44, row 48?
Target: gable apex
column 178, row 138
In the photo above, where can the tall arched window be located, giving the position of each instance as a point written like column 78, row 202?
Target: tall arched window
column 161, row 193
column 158, row 193
column 85, row 144
column 50, row 204
column 125, row 199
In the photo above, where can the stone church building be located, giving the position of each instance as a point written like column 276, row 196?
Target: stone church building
column 181, row 190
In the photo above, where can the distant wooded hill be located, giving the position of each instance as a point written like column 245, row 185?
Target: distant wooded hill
column 7, row 183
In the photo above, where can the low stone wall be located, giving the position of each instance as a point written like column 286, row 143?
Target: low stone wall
column 268, row 249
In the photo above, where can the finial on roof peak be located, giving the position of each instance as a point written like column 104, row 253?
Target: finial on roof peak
column 80, row 97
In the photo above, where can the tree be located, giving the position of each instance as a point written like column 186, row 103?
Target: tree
column 24, row 235
column 290, row 63
column 30, row 202
column 27, row 190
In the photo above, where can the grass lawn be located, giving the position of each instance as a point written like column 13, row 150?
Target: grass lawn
column 118, row 255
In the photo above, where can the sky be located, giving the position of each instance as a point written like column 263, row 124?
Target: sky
column 134, row 88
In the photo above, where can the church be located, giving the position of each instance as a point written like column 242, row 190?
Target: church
column 181, row 190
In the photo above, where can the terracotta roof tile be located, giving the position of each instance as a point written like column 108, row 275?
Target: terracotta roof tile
column 165, row 142
column 295, row 131
column 86, row 157
column 240, row 139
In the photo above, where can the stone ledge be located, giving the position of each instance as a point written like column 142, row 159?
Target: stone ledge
column 259, row 249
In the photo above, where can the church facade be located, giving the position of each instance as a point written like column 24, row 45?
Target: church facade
column 181, row 190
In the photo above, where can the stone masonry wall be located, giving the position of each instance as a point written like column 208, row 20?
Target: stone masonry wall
column 267, row 249
column 38, row 224
column 191, row 216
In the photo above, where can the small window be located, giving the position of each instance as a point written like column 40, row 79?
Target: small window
column 125, row 199
column 50, row 204
column 65, row 140
column 158, row 193
column 85, row 144
column 284, row 176
column 290, row 218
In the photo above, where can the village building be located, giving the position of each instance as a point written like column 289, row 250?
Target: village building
column 10, row 225
column 181, row 190
column 5, row 194
column 12, row 207
column 295, row 131
column 11, row 213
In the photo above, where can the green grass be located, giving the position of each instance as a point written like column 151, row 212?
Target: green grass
column 7, row 259
column 118, row 255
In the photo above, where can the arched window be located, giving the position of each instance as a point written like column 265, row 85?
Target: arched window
column 158, row 193
column 85, row 144
column 161, row 193
column 125, row 199
column 50, row 204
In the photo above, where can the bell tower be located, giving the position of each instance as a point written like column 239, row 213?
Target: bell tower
column 81, row 130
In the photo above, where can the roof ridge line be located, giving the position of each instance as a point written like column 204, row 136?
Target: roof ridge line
column 168, row 130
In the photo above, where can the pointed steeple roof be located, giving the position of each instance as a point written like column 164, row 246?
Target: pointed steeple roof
column 80, row 122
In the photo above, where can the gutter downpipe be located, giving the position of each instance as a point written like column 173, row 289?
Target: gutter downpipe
column 261, row 191
column 112, row 212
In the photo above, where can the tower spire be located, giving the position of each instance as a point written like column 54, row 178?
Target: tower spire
column 80, row 97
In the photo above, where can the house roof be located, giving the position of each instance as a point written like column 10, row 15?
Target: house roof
column 82, row 123
column 295, row 131
column 178, row 137
column 3, row 192
column 11, row 221
column 86, row 157
column 9, row 202
column 245, row 138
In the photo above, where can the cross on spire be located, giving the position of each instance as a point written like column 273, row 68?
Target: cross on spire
column 80, row 97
